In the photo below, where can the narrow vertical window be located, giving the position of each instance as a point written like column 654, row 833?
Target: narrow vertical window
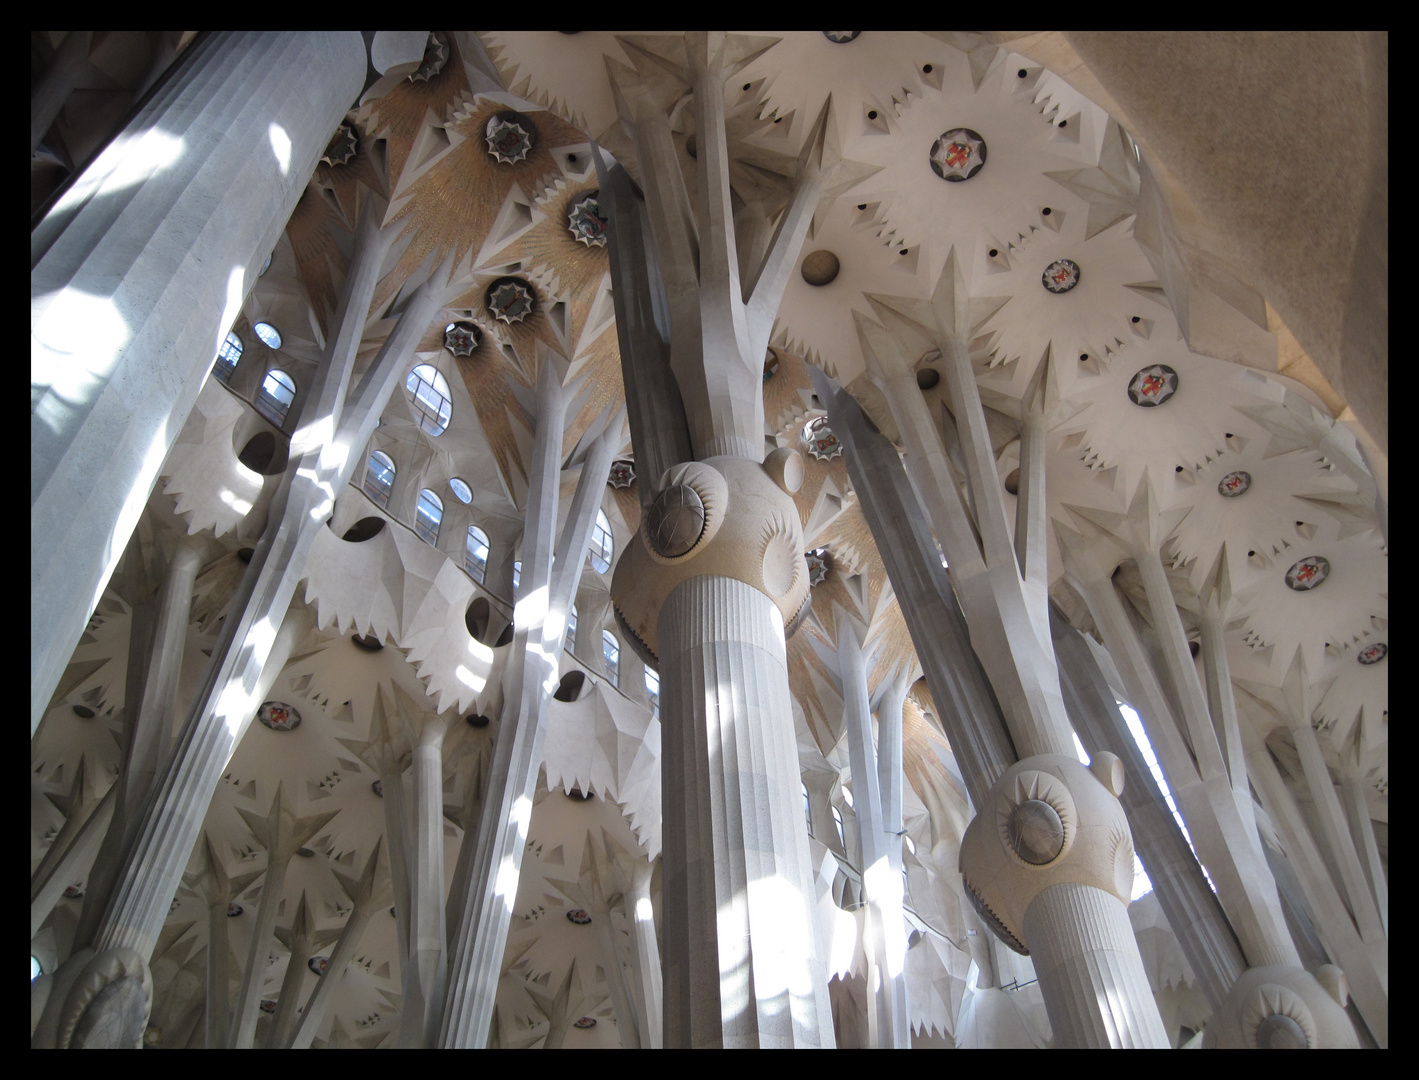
column 652, row 689
column 601, row 549
column 379, row 477
column 475, row 556
column 611, row 653
column 227, row 357
column 278, row 390
column 571, row 629
column 429, row 516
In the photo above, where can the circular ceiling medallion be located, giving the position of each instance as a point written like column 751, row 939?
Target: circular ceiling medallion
column 585, row 1022
column 279, row 716
column 234, row 910
column 578, row 916
column 817, row 561
column 822, row 443
column 318, row 964
column 510, row 300
column 623, row 473
column 958, row 155
column 461, row 338
column 1060, row 276
column 927, row 378
column 676, row 521
column 1152, row 385
column 585, row 220
column 820, row 268
column 73, row 892
column 841, row 37
column 435, row 56
column 1308, row 573
column 1373, row 654
column 509, row 136
column 267, row 1005
column 1234, row 484
column 340, row 151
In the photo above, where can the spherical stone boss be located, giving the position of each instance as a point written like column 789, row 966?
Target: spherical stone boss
column 1279, row 1032
column 1036, row 833
column 676, row 521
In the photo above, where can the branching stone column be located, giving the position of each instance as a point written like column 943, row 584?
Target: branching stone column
column 366, row 897
column 219, row 890
column 881, row 873
column 282, row 834
column 645, row 954
column 127, row 314
column 302, row 939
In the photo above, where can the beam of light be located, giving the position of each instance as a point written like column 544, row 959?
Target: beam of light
column 885, row 891
column 240, row 505
column 645, row 910
column 531, row 610
column 281, row 147
column 469, row 679
column 782, row 940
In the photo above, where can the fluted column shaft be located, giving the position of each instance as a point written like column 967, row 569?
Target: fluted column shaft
column 254, row 974
column 344, row 952
column 137, row 275
column 645, row 956
column 1090, row 973
column 218, row 971
column 741, row 968
column 428, row 957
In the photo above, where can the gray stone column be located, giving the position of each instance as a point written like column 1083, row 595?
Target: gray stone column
column 302, row 939
column 741, row 968
column 137, row 274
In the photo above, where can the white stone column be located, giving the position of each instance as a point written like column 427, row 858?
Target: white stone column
column 302, row 939
column 645, row 957
column 137, row 274
column 749, row 976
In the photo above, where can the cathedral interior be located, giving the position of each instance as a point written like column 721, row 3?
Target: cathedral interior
column 801, row 539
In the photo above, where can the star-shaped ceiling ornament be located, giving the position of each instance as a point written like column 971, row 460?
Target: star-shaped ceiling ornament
column 586, row 221
column 510, row 136
column 461, row 338
column 510, row 300
column 435, row 56
column 342, row 147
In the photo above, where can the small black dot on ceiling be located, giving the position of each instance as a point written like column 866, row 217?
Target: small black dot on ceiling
column 902, row 252
column 994, row 253
column 1045, row 211
column 1300, row 523
column 862, row 206
column 1250, row 554
column 872, row 114
column 1229, row 434
column 571, row 157
column 779, row 119
column 747, row 85
column 1063, row 123
column 926, row 68
column 1083, row 356
column 1137, row 319
column 1178, row 469
column 1023, row 73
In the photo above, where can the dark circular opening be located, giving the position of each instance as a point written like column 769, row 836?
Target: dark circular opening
column 1137, row 319
column 1046, row 211
column 862, row 206
column 902, row 252
column 570, row 686
column 926, row 68
column 1022, row 73
column 927, row 377
column 364, row 529
column 747, row 85
column 1177, row 468
column 994, row 252
column 1062, row 123
column 579, row 795
column 245, row 555
column 305, row 853
column 1229, row 435
column 1083, row 356
column 83, row 712
column 476, row 618
column 1250, row 554
column 477, row 720
column 779, row 119
column 872, row 114
column 691, row 147
column 368, row 642
column 1194, row 648
column 571, row 157
column 505, row 638
column 259, row 452
column 1299, row 524
column 1012, row 482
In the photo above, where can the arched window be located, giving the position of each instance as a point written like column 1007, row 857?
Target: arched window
column 227, row 357
column 652, row 690
column 475, row 555
column 601, row 547
column 269, row 335
column 838, row 823
column 571, row 629
column 431, row 404
column 611, row 653
column 428, row 516
column 379, row 477
column 278, row 390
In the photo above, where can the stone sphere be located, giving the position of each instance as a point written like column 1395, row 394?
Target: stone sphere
column 1036, row 832
column 675, row 521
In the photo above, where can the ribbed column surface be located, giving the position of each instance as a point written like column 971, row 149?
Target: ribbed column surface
column 1091, row 976
column 741, row 968
column 137, row 273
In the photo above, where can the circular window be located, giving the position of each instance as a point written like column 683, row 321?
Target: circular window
column 461, row 491
column 269, row 335
column 432, row 403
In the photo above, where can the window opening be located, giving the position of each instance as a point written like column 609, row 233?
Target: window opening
column 611, row 652
column 431, row 398
column 227, row 357
column 278, row 390
column 601, row 547
column 1141, row 884
column 475, row 556
column 652, row 689
column 516, row 576
column 461, row 491
column 269, row 335
column 428, row 516
column 807, row 811
column 571, row 629
column 379, row 477
column 838, row 824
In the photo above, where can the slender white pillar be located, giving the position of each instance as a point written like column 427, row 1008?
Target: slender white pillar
column 127, row 312
column 645, row 953
column 750, row 976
